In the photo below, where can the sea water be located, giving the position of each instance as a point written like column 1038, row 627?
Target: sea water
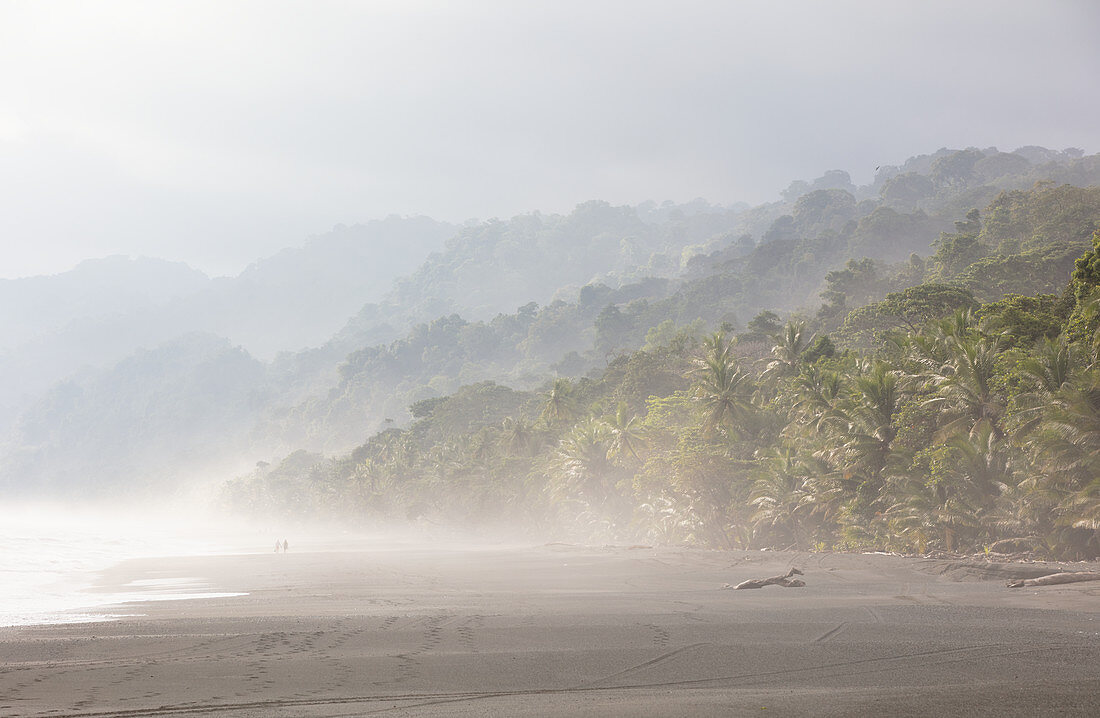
column 49, row 559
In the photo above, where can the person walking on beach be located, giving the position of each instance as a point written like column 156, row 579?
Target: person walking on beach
column 286, row 546
column 276, row 545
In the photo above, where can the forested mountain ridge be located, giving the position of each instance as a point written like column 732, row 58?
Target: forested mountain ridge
column 492, row 267
column 52, row 325
column 301, row 296
column 38, row 305
column 185, row 404
column 979, row 429
column 961, row 425
column 103, row 310
column 658, row 272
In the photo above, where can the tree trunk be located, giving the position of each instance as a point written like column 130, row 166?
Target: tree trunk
column 786, row 581
column 1055, row 579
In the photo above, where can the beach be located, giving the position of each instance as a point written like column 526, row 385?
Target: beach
column 564, row 630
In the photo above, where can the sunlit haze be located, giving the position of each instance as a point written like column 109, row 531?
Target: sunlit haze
column 474, row 358
column 218, row 132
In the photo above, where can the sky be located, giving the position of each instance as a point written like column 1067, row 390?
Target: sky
column 218, row 132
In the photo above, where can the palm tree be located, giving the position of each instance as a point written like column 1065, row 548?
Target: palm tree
column 865, row 421
column 861, row 435
column 716, row 348
column 626, row 433
column 926, row 510
column 585, row 467
column 1049, row 369
column 913, row 513
column 816, row 393
column 789, row 347
column 518, row 436
column 783, row 495
column 725, row 393
column 1068, row 444
column 670, row 519
column 929, row 350
column 1051, row 366
column 957, row 493
column 561, row 403
column 966, row 389
column 983, row 464
column 1090, row 317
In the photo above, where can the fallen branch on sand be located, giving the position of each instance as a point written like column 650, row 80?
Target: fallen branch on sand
column 785, row 581
column 1054, row 579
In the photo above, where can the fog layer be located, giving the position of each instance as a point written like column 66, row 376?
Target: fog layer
column 215, row 133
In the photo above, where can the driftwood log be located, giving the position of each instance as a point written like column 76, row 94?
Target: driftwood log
column 785, row 581
column 1054, row 579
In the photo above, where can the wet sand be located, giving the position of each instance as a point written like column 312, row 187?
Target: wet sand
column 567, row 631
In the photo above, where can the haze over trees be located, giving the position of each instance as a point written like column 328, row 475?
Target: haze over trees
column 908, row 365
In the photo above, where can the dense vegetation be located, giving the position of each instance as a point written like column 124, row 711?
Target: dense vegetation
column 928, row 404
column 1024, row 242
column 107, row 311
column 956, row 436
column 896, row 365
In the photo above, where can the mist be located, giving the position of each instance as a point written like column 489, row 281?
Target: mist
column 409, row 355
column 263, row 283
column 216, row 133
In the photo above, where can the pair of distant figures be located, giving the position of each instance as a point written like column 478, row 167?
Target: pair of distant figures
column 282, row 545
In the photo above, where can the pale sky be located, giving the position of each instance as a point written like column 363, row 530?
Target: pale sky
column 219, row 132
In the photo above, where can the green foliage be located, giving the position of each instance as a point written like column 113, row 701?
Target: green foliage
column 888, row 235
column 968, row 434
column 1043, row 270
column 1086, row 271
column 635, row 378
column 183, row 402
column 760, row 328
column 1085, row 285
column 955, row 252
column 956, row 169
column 425, row 407
column 960, row 424
column 821, row 348
column 1047, row 213
column 859, row 283
column 907, row 190
column 821, row 210
column 955, row 430
column 908, row 309
column 468, row 410
column 1023, row 321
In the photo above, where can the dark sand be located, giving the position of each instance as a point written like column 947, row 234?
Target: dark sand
column 568, row 631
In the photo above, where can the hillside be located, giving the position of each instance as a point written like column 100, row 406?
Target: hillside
column 103, row 310
column 945, row 402
column 965, row 427
column 595, row 286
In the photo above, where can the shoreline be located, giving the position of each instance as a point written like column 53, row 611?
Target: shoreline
column 564, row 630
column 137, row 576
